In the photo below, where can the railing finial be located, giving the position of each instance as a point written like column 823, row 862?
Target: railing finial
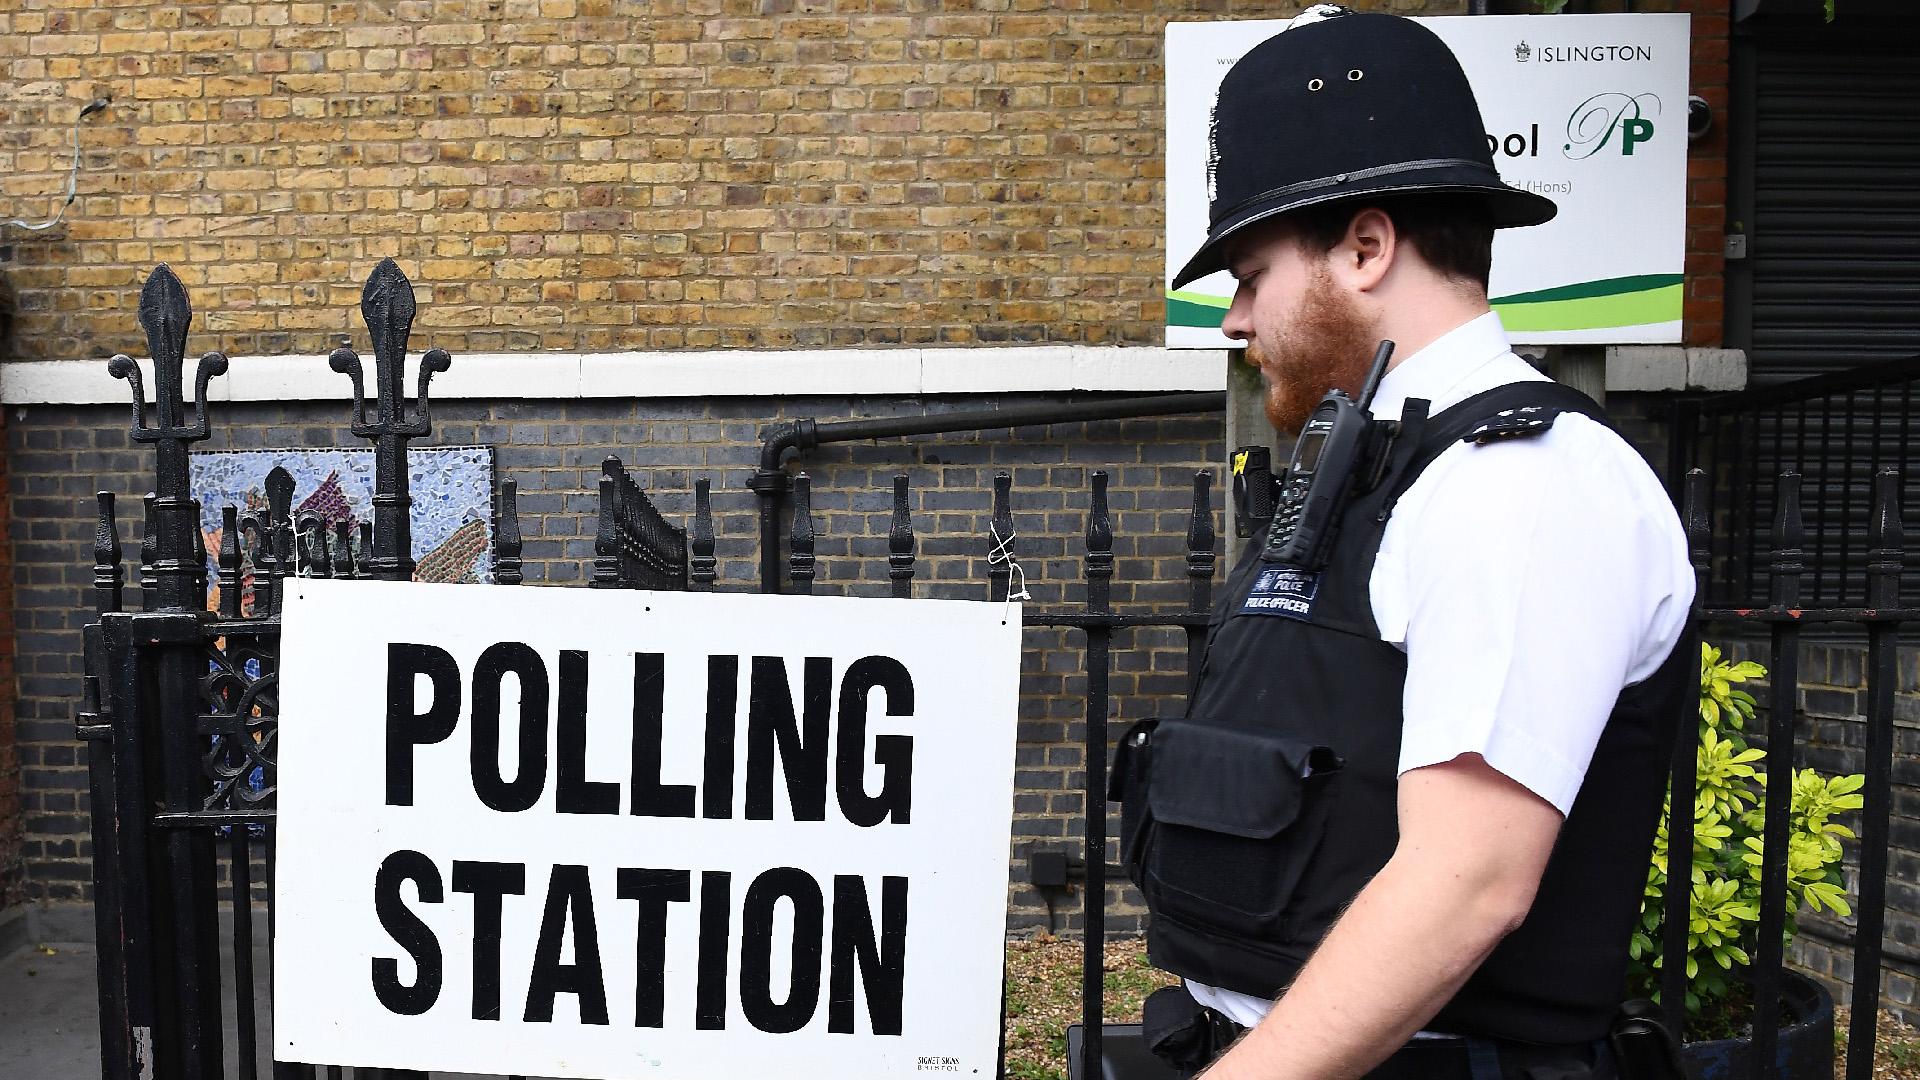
column 701, row 564
column 1000, row 539
column 230, row 562
column 1201, row 558
column 1788, row 562
column 606, row 535
column 387, row 305
column 108, row 576
column 900, row 541
column 178, row 559
column 1099, row 548
column 800, row 541
column 1886, row 554
column 506, row 535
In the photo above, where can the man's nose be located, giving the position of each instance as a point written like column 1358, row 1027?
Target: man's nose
column 1238, row 323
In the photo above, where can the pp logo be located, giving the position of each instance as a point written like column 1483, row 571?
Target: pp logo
column 1598, row 119
column 1522, row 52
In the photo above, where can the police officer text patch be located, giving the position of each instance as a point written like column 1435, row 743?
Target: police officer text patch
column 1283, row 591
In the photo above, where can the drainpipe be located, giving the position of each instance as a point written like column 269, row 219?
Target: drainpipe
column 771, row 483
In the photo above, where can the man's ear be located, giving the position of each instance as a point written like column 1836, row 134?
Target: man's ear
column 1363, row 257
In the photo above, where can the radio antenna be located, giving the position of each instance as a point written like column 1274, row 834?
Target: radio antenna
column 1379, row 369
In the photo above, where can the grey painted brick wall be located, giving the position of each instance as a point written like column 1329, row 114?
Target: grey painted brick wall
column 60, row 456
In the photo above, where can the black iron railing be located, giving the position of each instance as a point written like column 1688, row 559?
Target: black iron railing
column 1788, row 610
column 180, row 706
column 634, row 547
column 180, row 711
column 1836, row 432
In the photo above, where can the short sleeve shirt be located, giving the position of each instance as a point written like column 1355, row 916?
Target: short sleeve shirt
column 1528, row 581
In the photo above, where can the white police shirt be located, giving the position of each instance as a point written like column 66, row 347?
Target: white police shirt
column 1528, row 582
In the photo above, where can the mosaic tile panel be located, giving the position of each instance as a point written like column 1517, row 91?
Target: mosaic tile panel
column 452, row 488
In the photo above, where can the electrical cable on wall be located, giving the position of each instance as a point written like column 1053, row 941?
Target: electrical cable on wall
column 73, row 177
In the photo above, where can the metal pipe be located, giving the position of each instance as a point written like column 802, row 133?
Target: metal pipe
column 770, row 483
column 1020, row 416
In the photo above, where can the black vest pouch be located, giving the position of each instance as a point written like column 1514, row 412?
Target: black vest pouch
column 1182, row 1032
column 1236, row 815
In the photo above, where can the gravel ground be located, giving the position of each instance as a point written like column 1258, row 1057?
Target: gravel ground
column 1043, row 997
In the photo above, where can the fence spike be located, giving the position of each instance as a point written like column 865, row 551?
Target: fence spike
column 230, row 599
column 323, row 549
column 1099, row 548
column 178, row 561
column 1886, row 554
column 387, row 306
column 1697, row 517
column 201, row 557
column 702, row 562
column 279, row 538
column 366, row 549
column 636, row 534
column 1788, row 560
column 108, row 576
column 303, row 548
column 800, row 562
column 1201, row 558
column 901, row 544
column 256, row 553
column 1000, row 540
column 342, row 553
column 149, row 551
column 506, row 535
column 313, row 548
column 606, row 538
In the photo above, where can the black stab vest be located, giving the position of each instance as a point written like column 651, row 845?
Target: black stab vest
column 1251, row 822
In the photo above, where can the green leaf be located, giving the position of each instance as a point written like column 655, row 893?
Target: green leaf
column 1726, row 855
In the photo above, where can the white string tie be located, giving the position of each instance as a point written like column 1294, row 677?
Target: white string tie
column 1002, row 552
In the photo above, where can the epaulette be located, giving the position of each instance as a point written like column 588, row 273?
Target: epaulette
column 1521, row 423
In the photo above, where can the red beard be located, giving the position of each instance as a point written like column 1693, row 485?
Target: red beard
column 1326, row 345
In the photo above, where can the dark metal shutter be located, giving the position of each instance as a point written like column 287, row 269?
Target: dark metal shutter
column 1834, row 196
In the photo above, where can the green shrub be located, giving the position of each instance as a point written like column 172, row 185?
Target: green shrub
column 1728, row 820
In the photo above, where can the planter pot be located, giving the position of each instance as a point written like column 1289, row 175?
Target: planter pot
column 1804, row 1050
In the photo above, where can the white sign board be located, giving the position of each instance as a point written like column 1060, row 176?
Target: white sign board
column 1588, row 110
column 576, row 833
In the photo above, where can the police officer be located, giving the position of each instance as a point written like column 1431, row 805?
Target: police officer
column 1404, row 827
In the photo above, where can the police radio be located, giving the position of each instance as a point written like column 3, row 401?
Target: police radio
column 1339, row 441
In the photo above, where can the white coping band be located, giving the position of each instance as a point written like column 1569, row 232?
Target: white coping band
column 739, row 373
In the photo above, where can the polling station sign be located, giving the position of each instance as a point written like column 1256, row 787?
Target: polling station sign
column 1588, row 110
column 575, row 833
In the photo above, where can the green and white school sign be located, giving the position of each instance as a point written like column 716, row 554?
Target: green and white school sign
column 1588, row 110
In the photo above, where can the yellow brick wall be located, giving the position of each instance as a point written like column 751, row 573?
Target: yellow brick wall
column 594, row 174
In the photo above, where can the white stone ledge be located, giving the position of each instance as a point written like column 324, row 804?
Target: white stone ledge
column 1671, row 367
column 738, row 373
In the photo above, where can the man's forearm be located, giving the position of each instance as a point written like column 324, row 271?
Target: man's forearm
column 1402, row 950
